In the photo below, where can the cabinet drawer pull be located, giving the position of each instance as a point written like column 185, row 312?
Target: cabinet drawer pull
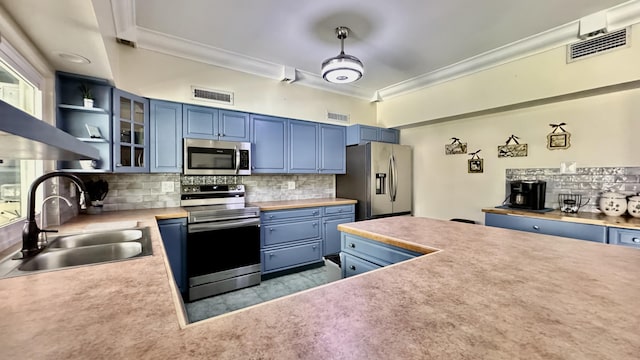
column 636, row 240
column 339, row 210
column 270, row 216
column 536, row 227
column 352, row 268
column 352, row 245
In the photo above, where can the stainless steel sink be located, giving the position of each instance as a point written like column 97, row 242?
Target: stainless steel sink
column 71, row 250
column 82, row 256
column 106, row 237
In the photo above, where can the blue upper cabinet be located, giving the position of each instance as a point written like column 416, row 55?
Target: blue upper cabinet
column 303, row 147
column 166, row 136
column 357, row 134
column 269, row 140
column 131, row 132
column 203, row 122
column 332, row 149
column 200, row 122
column 233, row 126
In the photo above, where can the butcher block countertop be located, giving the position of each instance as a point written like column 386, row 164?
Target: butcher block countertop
column 480, row 293
column 624, row 221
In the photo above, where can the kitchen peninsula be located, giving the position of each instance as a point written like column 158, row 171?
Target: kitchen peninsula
column 481, row 292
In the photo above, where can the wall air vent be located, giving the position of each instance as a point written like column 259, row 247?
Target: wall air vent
column 598, row 45
column 126, row 42
column 223, row 97
column 337, row 117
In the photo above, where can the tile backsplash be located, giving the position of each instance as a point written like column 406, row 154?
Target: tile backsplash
column 144, row 191
column 589, row 182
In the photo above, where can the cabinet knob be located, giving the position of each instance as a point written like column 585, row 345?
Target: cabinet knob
column 315, row 224
column 271, row 229
column 536, row 227
column 352, row 245
column 271, row 254
column 118, row 164
column 352, row 267
column 270, row 216
column 636, row 240
column 314, row 247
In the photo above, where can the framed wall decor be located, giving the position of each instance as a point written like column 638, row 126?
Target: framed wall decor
column 558, row 139
column 512, row 150
column 475, row 164
column 455, row 148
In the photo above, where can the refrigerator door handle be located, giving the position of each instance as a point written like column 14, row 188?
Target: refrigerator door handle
column 393, row 184
column 391, row 179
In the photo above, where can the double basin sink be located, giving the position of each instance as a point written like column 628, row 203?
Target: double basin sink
column 83, row 249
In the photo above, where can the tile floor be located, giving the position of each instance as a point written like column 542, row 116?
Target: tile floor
column 267, row 290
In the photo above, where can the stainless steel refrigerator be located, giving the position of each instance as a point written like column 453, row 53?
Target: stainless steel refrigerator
column 379, row 175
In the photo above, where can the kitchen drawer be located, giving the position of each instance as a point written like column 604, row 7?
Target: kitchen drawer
column 280, row 233
column 339, row 210
column 352, row 265
column 291, row 256
column 374, row 251
column 268, row 216
column 568, row 229
column 626, row 237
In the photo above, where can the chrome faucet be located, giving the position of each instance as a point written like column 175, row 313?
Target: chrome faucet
column 31, row 231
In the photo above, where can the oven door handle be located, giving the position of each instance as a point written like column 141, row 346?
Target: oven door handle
column 219, row 225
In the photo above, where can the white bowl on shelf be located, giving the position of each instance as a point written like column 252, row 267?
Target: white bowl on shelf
column 613, row 204
column 633, row 206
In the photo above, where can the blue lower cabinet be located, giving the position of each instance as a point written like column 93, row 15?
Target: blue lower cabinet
column 352, row 265
column 290, row 238
column 625, row 237
column 288, row 257
column 588, row 232
column 174, row 238
column 360, row 254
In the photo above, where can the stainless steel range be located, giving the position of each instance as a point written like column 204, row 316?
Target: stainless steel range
column 223, row 239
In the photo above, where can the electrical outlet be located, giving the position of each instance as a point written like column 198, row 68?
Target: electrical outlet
column 167, row 186
column 291, row 185
column 72, row 190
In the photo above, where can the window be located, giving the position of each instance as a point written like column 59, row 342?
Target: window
column 17, row 175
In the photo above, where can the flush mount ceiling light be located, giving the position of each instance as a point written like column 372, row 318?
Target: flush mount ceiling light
column 71, row 57
column 343, row 68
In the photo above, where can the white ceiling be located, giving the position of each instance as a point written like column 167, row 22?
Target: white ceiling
column 402, row 43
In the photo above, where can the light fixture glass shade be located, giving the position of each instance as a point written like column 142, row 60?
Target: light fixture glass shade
column 342, row 69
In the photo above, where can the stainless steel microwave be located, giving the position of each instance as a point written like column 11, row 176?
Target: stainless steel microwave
column 212, row 157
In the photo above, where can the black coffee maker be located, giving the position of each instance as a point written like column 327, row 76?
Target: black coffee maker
column 527, row 194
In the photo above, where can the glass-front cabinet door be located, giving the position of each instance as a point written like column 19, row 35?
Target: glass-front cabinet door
column 131, row 132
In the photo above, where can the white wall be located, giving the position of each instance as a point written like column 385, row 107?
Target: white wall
column 604, row 132
column 533, row 78
column 161, row 76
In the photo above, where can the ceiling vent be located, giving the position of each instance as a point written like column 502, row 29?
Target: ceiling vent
column 223, row 97
column 337, row 117
column 598, row 45
column 126, row 42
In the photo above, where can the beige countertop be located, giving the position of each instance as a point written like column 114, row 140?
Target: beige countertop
column 489, row 293
column 292, row 204
column 624, row 221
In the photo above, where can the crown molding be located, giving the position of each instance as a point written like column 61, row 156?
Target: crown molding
column 187, row 49
column 124, row 18
column 625, row 14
